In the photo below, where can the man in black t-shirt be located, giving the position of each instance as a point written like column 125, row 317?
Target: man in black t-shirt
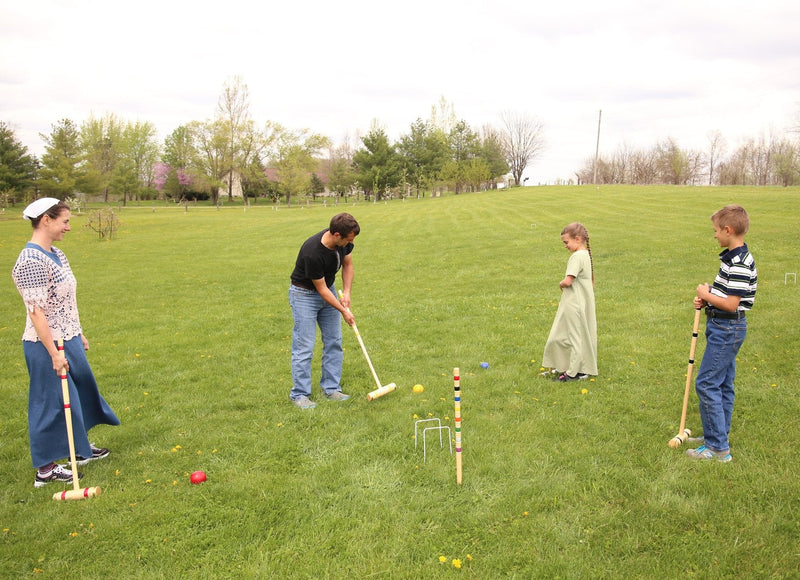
column 312, row 297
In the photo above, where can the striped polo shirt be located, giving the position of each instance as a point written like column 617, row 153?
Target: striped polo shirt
column 737, row 276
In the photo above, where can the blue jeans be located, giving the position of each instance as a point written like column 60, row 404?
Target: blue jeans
column 714, row 384
column 308, row 311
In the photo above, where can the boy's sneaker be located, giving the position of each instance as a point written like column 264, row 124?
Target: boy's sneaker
column 564, row 377
column 336, row 396
column 59, row 473
column 705, row 453
column 96, row 454
column 304, row 402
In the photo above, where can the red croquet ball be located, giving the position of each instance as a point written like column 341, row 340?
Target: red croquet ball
column 198, row 477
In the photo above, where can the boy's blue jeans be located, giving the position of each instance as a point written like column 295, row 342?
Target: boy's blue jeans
column 714, row 384
column 308, row 311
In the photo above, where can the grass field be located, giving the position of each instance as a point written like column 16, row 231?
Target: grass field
column 190, row 328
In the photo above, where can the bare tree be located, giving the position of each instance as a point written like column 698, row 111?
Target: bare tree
column 716, row 148
column 233, row 108
column 523, row 141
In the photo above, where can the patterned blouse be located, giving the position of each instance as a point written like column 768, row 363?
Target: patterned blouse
column 44, row 279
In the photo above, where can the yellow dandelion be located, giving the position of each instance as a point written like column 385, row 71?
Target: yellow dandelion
column 146, row 393
column 416, row 416
column 116, row 472
column 148, row 480
column 279, row 425
column 214, row 450
column 774, row 385
column 174, row 450
column 456, row 563
column 469, row 557
column 443, row 559
column 137, row 354
column 584, row 391
column 199, row 452
column 178, row 447
column 74, row 535
column 525, row 514
column 174, row 482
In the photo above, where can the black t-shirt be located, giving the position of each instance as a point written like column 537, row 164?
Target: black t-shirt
column 315, row 261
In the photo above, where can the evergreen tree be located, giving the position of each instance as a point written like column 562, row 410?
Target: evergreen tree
column 17, row 168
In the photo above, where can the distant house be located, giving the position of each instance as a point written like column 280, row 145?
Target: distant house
column 237, row 185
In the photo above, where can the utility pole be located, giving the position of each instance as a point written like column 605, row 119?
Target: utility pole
column 597, row 148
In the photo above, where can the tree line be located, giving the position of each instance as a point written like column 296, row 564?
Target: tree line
column 762, row 161
column 110, row 158
column 113, row 159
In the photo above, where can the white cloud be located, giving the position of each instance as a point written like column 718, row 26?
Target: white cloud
column 679, row 69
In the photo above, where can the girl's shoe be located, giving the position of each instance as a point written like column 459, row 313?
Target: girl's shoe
column 564, row 377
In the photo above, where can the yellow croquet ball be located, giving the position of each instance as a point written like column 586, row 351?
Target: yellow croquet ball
column 418, row 388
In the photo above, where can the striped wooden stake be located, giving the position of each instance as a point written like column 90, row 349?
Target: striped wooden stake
column 457, row 400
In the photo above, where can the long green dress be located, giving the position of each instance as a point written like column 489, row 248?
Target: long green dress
column 572, row 344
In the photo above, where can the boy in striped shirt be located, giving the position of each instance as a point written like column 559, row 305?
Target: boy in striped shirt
column 726, row 301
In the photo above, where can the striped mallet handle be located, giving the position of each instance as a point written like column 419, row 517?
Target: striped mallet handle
column 683, row 432
column 689, row 368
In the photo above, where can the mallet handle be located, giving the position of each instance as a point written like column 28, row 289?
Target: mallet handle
column 364, row 350
column 689, row 371
column 68, row 418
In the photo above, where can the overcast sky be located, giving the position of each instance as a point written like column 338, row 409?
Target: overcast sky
column 657, row 69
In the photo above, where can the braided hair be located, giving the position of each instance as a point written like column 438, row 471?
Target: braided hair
column 579, row 231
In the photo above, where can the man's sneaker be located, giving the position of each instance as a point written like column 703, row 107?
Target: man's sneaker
column 336, row 396
column 705, row 453
column 564, row 377
column 96, row 454
column 304, row 402
column 59, row 473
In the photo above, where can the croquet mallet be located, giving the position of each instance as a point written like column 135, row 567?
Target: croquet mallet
column 76, row 492
column 683, row 432
column 382, row 389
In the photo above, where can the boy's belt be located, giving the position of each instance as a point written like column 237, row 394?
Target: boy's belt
column 716, row 313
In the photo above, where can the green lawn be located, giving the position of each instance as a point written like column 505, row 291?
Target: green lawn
column 190, row 330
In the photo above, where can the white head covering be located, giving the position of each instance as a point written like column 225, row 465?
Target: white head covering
column 38, row 207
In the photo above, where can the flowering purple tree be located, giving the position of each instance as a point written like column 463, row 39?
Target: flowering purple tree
column 161, row 173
